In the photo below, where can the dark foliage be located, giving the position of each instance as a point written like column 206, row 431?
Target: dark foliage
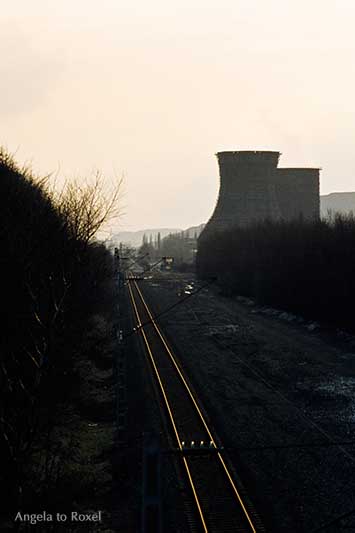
column 51, row 280
column 180, row 246
column 301, row 266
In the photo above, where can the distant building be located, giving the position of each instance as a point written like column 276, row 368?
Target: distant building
column 166, row 263
column 252, row 188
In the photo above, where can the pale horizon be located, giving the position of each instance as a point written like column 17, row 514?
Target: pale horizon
column 153, row 90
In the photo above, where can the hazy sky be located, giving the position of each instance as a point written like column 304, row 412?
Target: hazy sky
column 153, row 89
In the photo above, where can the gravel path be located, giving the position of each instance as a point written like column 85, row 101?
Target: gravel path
column 280, row 397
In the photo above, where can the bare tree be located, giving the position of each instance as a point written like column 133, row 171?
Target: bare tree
column 87, row 206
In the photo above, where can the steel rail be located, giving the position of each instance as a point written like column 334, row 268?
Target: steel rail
column 170, row 413
column 194, row 401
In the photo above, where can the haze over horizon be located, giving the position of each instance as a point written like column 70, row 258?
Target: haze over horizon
column 154, row 90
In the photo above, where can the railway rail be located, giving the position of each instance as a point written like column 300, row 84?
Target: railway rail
column 221, row 503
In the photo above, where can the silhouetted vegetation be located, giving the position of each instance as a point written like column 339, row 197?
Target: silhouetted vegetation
column 55, row 278
column 180, row 246
column 305, row 267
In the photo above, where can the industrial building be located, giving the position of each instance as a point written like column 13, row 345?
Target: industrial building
column 253, row 188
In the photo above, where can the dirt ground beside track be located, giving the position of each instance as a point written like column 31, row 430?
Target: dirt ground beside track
column 280, row 397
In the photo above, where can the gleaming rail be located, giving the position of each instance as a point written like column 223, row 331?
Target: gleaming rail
column 220, row 504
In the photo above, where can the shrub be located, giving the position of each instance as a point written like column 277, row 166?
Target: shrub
column 53, row 274
column 304, row 266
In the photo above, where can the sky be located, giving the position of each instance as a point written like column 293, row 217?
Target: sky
column 151, row 90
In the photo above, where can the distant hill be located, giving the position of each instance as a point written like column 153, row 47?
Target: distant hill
column 343, row 202
column 135, row 238
column 190, row 232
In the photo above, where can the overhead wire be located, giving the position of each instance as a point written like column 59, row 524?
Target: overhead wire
column 168, row 309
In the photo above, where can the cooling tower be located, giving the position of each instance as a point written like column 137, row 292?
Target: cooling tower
column 253, row 188
column 246, row 183
column 298, row 192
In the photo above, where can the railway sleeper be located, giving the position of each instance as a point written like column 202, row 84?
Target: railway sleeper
column 197, row 448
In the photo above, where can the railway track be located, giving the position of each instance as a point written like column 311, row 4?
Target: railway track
column 220, row 501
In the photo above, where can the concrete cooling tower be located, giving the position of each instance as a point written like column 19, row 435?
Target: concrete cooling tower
column 253, row 188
